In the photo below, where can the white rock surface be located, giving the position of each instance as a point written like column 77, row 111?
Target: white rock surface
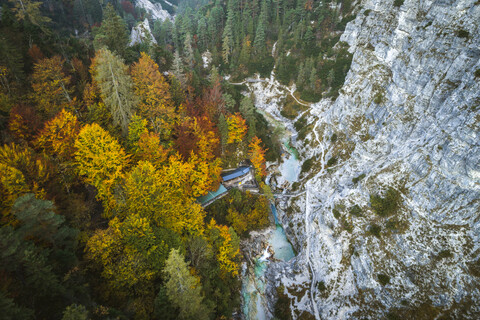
column 422, row 139
column 142, row 33
column 155, row 9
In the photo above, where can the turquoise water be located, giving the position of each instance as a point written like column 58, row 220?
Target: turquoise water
column 282, row 248
column 290, row 168
column 253, row 289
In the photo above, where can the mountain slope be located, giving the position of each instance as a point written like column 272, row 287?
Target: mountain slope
column 407, row 120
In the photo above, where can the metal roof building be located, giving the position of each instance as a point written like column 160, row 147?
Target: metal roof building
column 204, row 200
column 236, row 173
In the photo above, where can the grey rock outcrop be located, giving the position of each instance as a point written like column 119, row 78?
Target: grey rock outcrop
column 407, row 119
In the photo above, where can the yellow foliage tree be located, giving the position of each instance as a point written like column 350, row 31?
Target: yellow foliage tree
column 131, row 253
column 51, row 85
column 226, row 242
column 21, row 171
column 236, row 128
column 150, row 149
column 12, row 186
column 101, row 160
column 156, row 104
column 207, row 168
column 136, row 128
column 163, row 196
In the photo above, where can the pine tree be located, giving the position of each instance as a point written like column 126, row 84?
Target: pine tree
column 301, row 76
column 202, row 33
column 184, row 289
column 223, row 128
column 34, row 257
column 259, row 43
column 30, row 10
column 113, row 33
column 188, row 51
column 227, row 37
column 11, row 63
column 116, row 87
column 178, row 69
column 312, row 79
column 260, row 35
column 247, row 109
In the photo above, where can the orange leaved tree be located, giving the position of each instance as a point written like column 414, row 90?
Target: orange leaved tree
column 257, row 156
column 51, row 85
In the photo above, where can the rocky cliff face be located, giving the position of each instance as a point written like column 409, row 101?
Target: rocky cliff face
column 407, row 120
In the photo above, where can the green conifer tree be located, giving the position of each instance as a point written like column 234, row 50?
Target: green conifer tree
column 184, row 289
column 112, row 33
column 116, row 87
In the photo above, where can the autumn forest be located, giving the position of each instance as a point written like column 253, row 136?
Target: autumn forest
column 102, row 158
column 107, row 143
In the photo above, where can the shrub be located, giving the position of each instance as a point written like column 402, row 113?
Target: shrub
column 379, row 98
column 356, row 210
column 383, row 279
column 367, row 12
column 391, row 224
column 332, row 161
column 360, row 177
column 477, row 73
column 463, row 34
column 307, row 165
column 300, row 123
column 444, row 254
column 387, row 205
column 375, row 229
column 282, row 305
column 392, row 316
column 398, row 3
column 333, row 138
column 321, row 286
column 336, row 213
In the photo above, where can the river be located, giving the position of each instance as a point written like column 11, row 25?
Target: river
column 254, row 304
